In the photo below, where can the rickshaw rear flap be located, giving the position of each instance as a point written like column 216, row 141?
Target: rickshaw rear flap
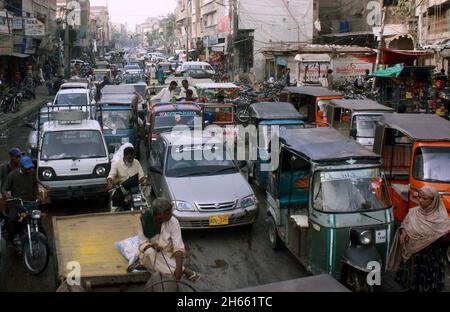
column 324, row 145
column 420, row 127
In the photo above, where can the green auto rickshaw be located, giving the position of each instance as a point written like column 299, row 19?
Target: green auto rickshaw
column 329, row 204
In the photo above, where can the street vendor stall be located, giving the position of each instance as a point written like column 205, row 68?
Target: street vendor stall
column 405, row 88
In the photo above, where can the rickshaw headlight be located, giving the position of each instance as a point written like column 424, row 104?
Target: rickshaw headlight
column 100, row 171
column 361, row 237
column 365, row 238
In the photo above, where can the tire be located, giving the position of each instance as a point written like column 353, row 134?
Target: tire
column 40, row 256
column 274, row 238
column 356, row 280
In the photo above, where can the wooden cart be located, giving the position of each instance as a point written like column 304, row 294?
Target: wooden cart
column 90, row 241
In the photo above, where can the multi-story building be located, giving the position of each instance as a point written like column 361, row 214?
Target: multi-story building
column 103, row 30
column 434, row 30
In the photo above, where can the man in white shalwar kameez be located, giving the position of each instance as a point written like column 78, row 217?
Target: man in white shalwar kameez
column 163, row 252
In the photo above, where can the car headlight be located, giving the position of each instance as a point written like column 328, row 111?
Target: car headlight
column 248, row 201
column 100, row 171
column 183, row 206
column 47, row 174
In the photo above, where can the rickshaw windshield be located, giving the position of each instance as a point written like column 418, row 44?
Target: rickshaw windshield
column 365, row 125
column 168, row 120
column 348, row 191
column 432, row 164
column 114, row 120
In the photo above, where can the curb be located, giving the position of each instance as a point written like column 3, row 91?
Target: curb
column 28, row 111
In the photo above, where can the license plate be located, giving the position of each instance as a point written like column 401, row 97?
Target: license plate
column 380, row 237
column 218, row 220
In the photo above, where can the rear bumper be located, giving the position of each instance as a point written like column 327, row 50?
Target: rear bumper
column 76, row 188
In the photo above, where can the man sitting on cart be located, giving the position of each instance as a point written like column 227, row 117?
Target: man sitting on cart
column 161, row 246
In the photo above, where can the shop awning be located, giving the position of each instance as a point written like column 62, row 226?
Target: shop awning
column 400, row 70
column 20, row 55
column 313, row 58
column 391, row 57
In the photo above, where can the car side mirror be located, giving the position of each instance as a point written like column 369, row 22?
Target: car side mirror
column 49, row 103
column 353, row 133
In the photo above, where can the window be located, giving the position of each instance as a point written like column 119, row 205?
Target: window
column 350, row 191
column 432, row 164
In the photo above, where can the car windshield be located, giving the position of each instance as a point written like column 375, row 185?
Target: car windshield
column 168, row 120
column 74, row 144
column 365, row 125
column 71, row 98
column 114, row 120
column 199, row 160
column 348, row 191
column 432, row 164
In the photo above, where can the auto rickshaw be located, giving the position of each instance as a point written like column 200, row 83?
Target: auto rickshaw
column 208, row 92
column 164, row 117
column 416, row 153
column 329, row 204
column 311, row 102
column 356, row 118
column 263, row 116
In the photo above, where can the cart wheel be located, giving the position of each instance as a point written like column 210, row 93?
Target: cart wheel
column 274, row 238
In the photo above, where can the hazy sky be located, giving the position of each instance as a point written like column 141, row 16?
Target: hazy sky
column 134, row 12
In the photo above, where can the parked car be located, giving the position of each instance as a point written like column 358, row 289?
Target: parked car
column 218, row 194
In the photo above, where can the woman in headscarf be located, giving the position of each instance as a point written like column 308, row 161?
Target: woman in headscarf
column 422, row 226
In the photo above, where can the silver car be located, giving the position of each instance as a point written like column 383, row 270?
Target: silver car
column 206, row 191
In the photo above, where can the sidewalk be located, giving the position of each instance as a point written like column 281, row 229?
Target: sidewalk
column 29, row 108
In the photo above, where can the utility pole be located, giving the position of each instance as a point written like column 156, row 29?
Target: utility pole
column 67, row 45
column 381, row 43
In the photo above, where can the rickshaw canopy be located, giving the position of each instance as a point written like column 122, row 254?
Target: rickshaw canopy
column 119, row 89
column 421, row 127
column 218, row 85
column 360, row 105
column 311, row 91
column 323, row 144
column 274, row 110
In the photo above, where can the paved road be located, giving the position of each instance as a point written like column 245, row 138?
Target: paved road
column 228, row 259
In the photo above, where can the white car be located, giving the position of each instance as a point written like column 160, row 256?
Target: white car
column 195, row 65
column 72, row 158
column 82, row 97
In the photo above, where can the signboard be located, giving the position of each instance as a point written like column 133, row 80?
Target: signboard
column 34, row 27
column 349, row 67
column 224, row 24
column 17, row 23
column 4, row 29
column 311, row 72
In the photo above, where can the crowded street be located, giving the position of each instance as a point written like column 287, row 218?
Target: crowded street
column 224, row 146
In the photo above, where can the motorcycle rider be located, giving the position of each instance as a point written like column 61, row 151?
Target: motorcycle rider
column 124, row 169
column 20, row 183
column 14, row 161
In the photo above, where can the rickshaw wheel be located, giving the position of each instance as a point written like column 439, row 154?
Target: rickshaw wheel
column 274, row 238
column 357, row 281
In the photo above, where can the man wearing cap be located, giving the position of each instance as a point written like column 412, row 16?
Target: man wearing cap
column 20, row 183
column 13, row 164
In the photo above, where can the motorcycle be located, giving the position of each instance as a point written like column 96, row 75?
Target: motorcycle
column 11, row 101
column 33, row 243
column 129, row 196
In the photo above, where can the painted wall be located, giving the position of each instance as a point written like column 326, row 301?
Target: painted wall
column 275, row 22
